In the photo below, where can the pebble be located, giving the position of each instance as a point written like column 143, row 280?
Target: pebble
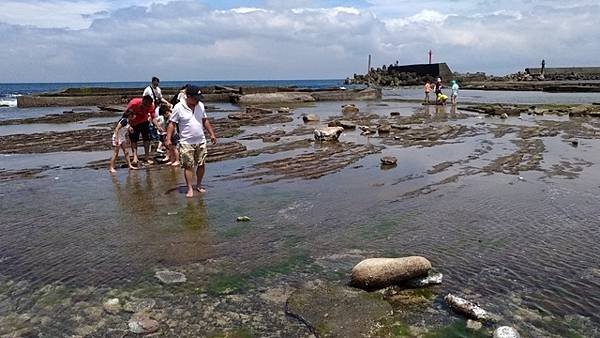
column 170, row 277
column 112, row 306
column 474, row 325
column 143, row 325
column 243, row 219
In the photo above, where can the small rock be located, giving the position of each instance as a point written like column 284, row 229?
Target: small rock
column 284, row 109
column 271, row 139
column 467, row 308
column 170, row 277
column 474, row 325
column 378, row 273
column 506, row 332
column 388, row 160
column 347, row 125
column 394, row 113
column 349, row 108
column 328, row 133
column 139, row 305
column 384, row 129
column 143, row 325
column 400, row 126
column 504, row 116
column 243, row 219
column 310, row 118
column 334, row 123
column 433, row 278
column 112, row 306
column 574, row 143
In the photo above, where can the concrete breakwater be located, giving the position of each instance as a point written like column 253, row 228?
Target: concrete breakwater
column 241, row 95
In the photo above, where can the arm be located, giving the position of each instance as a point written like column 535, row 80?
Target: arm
column 211, row 131
column 162, row 99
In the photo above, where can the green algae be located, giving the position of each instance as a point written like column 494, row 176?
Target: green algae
column 457, row 329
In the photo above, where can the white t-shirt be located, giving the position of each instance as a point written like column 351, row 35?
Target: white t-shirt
column 157, row 93
column 191, row 129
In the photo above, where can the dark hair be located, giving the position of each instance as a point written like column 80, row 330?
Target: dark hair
column 154, row 78
column 163, row 109
column 147, row 98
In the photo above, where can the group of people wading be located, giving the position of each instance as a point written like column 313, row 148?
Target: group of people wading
column 440, row 97
column 178, row 124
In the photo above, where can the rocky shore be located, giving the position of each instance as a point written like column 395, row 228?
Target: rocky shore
column 580, row 80
column 238, row 95
column 327, row 290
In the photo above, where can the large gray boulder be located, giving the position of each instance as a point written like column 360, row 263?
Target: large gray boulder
column 378, row 273
column 328, row 133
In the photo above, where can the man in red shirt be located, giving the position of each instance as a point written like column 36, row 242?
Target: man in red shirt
column 141, row 112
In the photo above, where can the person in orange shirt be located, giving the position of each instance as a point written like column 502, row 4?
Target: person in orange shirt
column 427, row 91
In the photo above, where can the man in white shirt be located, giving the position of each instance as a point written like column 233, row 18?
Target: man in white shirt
column 154, row 91
column 191, row 118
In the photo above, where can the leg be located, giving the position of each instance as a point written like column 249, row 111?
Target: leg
column 199, row 176
column 189, row 175
column 111, row 164
column 200, row 158
column 145, row 131
column 147, row 151
column 134, row 151
column 127, row 159
column 174, row 156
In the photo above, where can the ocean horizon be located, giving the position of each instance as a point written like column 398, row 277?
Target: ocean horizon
column 10, row 91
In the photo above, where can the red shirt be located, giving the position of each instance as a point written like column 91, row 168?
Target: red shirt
column 139, row 113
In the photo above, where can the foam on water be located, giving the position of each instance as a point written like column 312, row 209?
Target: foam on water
column 9, row 100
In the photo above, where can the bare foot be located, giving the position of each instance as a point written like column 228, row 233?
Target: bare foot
column 190, row 194
column 200, row 189
column 149, row 162
column 112, row 170
column 175, row 164
column 133, row 168
column 168, row 163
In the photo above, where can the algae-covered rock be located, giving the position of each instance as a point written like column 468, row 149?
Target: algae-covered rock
column 377, row 273
column 337, row 311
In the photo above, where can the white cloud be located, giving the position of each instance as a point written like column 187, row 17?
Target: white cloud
column 189, row 40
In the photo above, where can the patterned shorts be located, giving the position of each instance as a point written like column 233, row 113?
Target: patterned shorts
column 191, row 155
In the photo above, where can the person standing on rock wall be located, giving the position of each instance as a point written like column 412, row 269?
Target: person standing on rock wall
column 190, row 116
column 141, row 113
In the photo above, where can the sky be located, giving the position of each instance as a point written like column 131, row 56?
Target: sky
column 133, row 40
